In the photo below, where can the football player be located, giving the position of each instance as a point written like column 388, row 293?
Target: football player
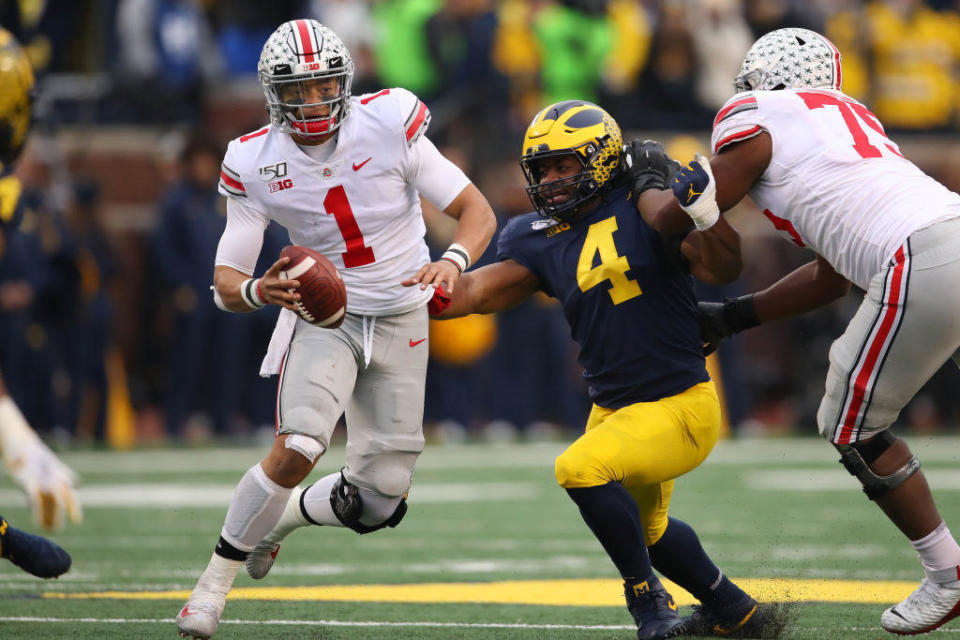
column 48, row 483
column 821, row 168
column 344, row 175
column 628, row 297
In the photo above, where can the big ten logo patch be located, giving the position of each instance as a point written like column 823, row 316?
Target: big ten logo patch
column 280, row 185
column 273, row 172
column 557, row 228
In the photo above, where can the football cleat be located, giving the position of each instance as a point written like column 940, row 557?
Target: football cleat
column 926, row 609
column 744, row 619
column 200, row 616
column 34, row 554
column 261, row 559
column 654, row 611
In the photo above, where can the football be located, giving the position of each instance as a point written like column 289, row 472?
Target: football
column 323, row 296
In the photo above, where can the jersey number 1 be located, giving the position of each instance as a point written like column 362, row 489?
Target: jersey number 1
column 612, row 267
column 337, row 205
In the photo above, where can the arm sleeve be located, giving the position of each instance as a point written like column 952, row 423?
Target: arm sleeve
column 740, row 118
column 439, row 180
column 242, row 238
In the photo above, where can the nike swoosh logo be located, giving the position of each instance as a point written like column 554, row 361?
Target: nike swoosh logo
column 414, row 343
column 894, row 611
column 356, row 167
column 186, row 611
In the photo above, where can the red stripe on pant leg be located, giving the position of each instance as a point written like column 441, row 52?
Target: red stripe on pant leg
column 873, row 353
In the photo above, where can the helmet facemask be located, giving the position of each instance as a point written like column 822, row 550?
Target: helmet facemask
column 580, row 186
column 295, row 100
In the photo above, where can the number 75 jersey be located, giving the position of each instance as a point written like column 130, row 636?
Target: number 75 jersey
column 630, row 306
column 835, row 183
column 360, row 207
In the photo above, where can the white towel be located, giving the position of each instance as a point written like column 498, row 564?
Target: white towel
column 279, row 342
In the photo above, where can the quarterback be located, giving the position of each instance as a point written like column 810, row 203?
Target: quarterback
column 627, row 295
column 48, row 483
column 822, row 169
column 344, row 175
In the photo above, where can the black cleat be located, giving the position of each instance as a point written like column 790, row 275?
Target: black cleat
column 744, row 619
column 654, row 611
column 33, row 554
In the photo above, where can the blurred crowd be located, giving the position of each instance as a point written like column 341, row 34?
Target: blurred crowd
column 106, row 315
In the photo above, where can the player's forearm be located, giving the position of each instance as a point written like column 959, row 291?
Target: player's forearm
column 719, row 260
column 809, row 287
column 477, row 226
column 661, row 211
column 227, row 282
column 462, row 302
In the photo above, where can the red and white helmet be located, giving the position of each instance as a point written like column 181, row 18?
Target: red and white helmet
column 790, row 59
column 296, row 53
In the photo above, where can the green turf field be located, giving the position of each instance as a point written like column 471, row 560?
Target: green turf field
column 491, row 548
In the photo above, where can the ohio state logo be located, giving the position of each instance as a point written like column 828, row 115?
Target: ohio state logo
column 280, row 185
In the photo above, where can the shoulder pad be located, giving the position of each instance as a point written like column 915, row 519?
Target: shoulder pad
column 415, row 114
column 737, row 104
column 231, row 182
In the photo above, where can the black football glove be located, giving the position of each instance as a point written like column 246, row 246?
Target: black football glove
column 649, row 165
column 720, row 320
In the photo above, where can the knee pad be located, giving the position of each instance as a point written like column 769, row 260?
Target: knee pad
column 857, row 458
column 347, row 504
column 308, row 446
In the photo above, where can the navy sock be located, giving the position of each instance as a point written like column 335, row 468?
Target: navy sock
column 679, row 556
column 612, row 515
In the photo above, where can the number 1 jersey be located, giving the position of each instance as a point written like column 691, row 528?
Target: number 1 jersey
column 835, row 182
column 361, row 206
column 630, row 306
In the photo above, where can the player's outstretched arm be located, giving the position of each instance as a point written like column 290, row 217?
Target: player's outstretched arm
column 735, row 170
column 48, row 483
column 495, row 287
column 239, row 292
column 809, row 287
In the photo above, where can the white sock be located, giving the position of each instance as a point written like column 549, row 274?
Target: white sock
column 254, row 510
column 218, row 576
column 940, row 556
column 316, row 501
column 291, row 518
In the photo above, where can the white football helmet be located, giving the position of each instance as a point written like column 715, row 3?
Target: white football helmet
column 790, row 59
column 296, row 57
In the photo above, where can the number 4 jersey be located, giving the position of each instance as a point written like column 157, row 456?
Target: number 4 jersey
column 630, row 306
column 360, row 207
column 835, row 182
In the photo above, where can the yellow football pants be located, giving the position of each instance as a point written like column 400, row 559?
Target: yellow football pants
column 644, row 446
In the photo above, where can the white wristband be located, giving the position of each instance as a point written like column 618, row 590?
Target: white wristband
column 250, row 293
column 704, row 210
column 458, row 255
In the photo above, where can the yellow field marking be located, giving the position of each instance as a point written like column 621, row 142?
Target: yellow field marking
column 588, row 593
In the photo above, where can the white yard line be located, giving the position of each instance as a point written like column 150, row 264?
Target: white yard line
column 818, row 479
column 414, row 624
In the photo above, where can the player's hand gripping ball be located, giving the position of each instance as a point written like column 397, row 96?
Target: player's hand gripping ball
column 323, row 296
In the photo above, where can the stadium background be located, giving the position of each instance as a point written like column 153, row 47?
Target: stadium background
column 108, row 330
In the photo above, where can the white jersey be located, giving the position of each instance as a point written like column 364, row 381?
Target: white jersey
column 835, row 182
column 360, row 208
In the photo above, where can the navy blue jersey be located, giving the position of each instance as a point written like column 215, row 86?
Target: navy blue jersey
column 630, row 307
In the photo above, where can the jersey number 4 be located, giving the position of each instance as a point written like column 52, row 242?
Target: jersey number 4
column 337, row 205
column 853, row 114
column 612, row 267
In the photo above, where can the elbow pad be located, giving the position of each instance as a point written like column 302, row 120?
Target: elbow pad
column 217, row 300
